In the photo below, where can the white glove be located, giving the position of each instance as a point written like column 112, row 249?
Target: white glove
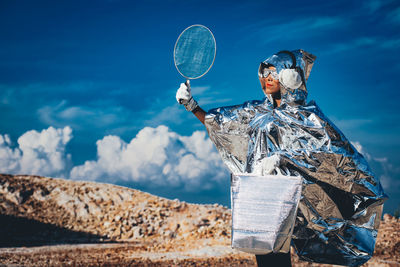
column 290, row 78
column 267, row 165
column 183, row 94
column 184, row 97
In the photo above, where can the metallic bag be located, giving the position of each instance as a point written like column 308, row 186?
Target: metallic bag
column 342, row 200
column 263, row 212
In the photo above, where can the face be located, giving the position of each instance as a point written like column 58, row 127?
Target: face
column 270, row 85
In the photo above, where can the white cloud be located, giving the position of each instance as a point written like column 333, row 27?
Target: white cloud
column 199, row 90
column 6, row 96
column 349, row 125
column 362, row 42
column 394, row 16
column 77, row 116
column 167, row 111
column 273, row 31
column 360, row 149
column 156, row 157
column 9, row 162
column 387, row 173
column 37, row 153
column 173, row 114
column 372, row 5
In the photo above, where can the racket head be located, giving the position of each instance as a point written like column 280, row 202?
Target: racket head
column 194, row 51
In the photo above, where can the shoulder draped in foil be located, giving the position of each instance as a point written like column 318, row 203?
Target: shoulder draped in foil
column 341, row 203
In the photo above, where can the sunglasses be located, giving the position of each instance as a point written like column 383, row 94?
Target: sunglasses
column 266, row 72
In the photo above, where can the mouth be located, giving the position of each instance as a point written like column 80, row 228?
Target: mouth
column 269, row 85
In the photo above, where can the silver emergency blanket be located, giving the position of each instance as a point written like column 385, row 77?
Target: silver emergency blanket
column 263, row 212
column 341, row 203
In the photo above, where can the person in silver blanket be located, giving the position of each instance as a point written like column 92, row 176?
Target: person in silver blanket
column 341, row 202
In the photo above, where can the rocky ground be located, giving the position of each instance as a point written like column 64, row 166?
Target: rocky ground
column 53, row 222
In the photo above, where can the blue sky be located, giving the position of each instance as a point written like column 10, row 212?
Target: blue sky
column 81, row 80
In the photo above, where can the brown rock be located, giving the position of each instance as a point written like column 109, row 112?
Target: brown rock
column 152, row 223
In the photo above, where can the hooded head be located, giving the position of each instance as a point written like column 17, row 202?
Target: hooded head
column 288, row 64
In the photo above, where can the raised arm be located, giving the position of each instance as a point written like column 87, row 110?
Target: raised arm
column 200, row 114
column 184, row 97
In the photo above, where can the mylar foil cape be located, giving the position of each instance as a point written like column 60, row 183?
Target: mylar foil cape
column 341, row 203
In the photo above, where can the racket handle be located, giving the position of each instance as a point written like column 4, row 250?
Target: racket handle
column 187, row 83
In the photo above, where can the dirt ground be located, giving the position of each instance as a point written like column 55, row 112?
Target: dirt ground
column 56, row 222
column 120, row 254
column 144, row 254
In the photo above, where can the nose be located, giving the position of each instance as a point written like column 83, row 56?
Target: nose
column 269, row 78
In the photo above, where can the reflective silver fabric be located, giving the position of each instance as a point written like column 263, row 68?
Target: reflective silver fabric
column 263, row 212
column 341, row 204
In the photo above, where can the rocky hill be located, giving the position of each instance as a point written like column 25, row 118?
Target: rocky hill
column 47, row 221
